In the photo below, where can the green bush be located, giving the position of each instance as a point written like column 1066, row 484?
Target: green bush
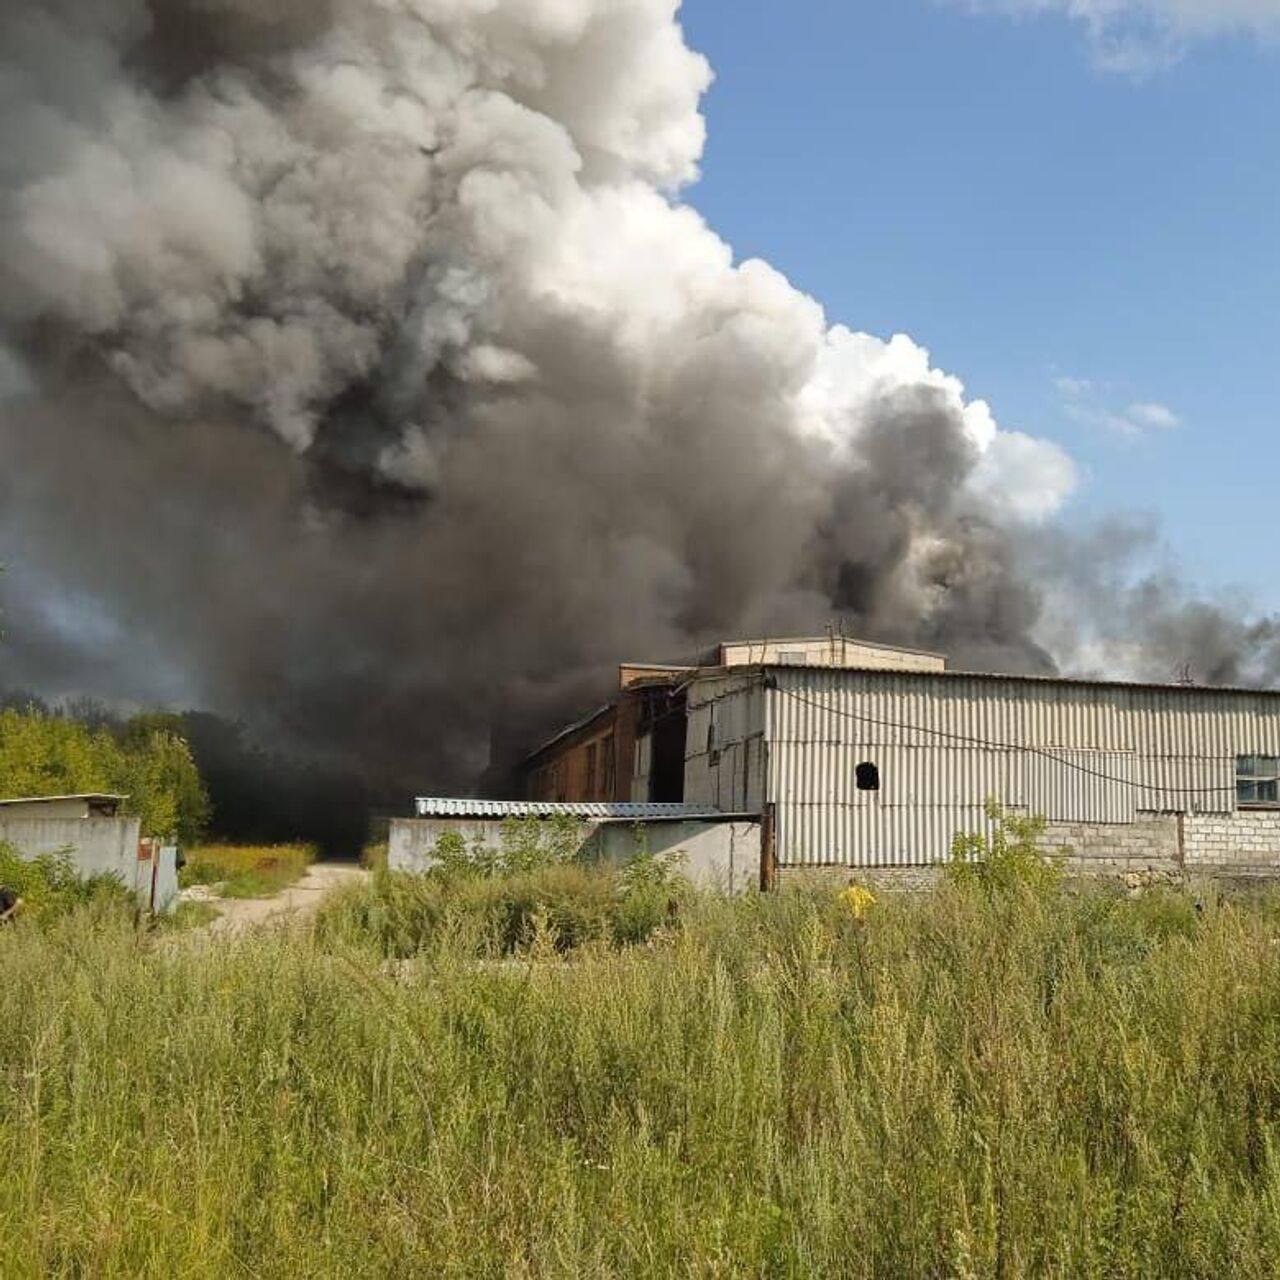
column 566, row 905
column 50, row 886
column 1010, row 859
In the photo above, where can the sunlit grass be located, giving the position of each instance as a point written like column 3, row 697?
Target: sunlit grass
column 977, row 1082
column 247, row 871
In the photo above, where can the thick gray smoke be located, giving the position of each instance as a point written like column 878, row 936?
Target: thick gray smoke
column 362, row 375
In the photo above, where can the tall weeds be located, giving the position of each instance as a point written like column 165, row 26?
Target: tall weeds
column 1023, row 1081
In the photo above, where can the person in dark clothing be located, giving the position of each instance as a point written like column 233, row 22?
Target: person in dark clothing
column 10, row 904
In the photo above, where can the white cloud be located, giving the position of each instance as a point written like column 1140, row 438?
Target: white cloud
column 1154, row 415
column 1137, row 37
column 1081, row 403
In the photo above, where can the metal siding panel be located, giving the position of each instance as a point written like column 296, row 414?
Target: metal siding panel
column 1070, row 785
column 1166, row 749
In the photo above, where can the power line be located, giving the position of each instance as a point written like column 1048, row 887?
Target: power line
column 1010, row 747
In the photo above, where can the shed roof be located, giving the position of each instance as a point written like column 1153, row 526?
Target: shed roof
column 603, row 811
column 91, row 797
column 570, row 730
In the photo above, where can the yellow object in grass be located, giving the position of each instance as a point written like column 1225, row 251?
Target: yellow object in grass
column 858, row 900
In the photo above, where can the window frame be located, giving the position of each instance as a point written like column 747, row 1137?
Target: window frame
column 1263, row 772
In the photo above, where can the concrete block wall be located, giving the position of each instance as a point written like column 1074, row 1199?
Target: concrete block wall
column 879, row 879
column 1245, row 843
column 1150, row 844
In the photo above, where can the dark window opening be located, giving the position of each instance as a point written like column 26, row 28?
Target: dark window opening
column 666, row 770
column 868, row 776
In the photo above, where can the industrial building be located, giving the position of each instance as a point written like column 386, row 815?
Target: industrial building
column 595, row 759
column 859, row 759
column 866, row 757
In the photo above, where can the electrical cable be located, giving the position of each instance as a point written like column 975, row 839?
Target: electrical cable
column 1010, row 747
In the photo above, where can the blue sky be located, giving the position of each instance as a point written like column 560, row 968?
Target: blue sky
column 1091, row 251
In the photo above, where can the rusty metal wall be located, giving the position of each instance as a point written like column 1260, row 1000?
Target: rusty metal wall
column 943, row 744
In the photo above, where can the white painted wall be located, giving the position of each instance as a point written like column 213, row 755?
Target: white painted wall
column 98, row 846
column 718, row 856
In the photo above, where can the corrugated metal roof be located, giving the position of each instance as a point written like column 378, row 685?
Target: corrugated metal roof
column 447, row 807
column 88, row 797
column 995, row 677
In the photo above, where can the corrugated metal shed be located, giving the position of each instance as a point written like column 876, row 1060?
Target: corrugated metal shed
column 443, row 807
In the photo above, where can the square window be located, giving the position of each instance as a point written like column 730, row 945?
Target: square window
column 1258, row 780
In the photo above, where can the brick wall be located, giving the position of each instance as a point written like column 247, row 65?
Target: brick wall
column 1245, row 843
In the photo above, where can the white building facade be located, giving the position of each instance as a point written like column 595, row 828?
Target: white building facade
column 880, row 769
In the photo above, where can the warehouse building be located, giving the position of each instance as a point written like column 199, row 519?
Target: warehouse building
column 860, row 758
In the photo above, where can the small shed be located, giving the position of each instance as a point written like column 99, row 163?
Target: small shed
column 90, row 830
column 91, row 805
column 716, row 850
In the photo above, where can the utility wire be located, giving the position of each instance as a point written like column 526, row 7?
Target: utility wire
column 1011, row 747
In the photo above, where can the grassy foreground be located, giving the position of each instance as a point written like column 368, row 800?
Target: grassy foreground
column 986, row 1081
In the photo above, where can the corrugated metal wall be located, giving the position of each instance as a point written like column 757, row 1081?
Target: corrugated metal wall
column 725, row 752
column 944, row 744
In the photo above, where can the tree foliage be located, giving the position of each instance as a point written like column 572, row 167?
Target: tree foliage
column 147, row 759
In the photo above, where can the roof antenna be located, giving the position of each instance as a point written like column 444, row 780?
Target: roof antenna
column 1185, row 676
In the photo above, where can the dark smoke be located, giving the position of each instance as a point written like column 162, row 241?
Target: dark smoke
column 362, row 379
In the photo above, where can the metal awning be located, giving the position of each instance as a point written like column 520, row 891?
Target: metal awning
column 600, row 811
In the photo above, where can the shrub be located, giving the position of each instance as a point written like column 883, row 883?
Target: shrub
column 651, row 892
column 50, row 886
column 1010, row 859
column 373, row 857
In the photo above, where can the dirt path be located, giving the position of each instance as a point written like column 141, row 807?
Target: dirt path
column 295, row 903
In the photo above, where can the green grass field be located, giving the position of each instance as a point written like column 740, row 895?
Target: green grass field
column 493, row 1078
column 247, row 871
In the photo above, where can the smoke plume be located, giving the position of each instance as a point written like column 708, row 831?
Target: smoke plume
column 363, row 376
